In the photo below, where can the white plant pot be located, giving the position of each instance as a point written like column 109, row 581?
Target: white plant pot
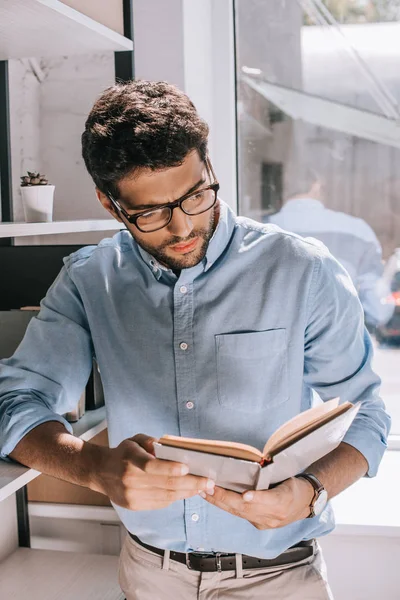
column 37, row 201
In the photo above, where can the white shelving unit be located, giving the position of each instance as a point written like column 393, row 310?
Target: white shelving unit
column 46, row 575
column 51, row 28
column 8, row 230
column 48, row 28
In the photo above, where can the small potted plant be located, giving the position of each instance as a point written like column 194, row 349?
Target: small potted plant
column 37, row 198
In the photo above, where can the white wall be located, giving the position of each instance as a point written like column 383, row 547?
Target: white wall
column 363, row 567
column 158, row 40
column 47, row 120
column 190, row 43
column 24, row 126
column 71, row 86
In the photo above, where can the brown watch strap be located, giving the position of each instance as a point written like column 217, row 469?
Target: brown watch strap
column 318, row 488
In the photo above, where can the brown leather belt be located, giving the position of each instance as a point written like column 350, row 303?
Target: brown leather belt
column 220, row 561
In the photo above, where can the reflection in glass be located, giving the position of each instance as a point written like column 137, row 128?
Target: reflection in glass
column 351, row 240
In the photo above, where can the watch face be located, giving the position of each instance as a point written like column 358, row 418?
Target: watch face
column 320, row 502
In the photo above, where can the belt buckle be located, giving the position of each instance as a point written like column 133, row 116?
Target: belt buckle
column 218, row 561
column 189, row 566
column 216, row 556
column 199, row 554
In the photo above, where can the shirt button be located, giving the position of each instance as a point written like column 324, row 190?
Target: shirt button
column 189, row 405
column 195, row 517
column 183, row 346
column 183, row 289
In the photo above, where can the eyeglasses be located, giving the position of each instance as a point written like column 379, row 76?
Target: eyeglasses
column 192, row 204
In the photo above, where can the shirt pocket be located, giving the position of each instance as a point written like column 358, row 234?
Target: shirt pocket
column 252, row 370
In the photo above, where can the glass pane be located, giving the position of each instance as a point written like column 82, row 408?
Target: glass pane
column 318, row 87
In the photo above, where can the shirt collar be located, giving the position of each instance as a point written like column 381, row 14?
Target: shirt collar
column 216, row 246
column 155, row 267
column 300, row 203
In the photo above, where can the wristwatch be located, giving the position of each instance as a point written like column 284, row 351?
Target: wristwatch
column 320, row 498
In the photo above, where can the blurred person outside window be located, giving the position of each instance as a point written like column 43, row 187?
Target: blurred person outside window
column 351, row 241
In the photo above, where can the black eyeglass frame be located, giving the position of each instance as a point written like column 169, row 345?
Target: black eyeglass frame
column 132, row 219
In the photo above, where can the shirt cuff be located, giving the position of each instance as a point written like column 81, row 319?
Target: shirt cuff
column 25, row 424
column 371, row 445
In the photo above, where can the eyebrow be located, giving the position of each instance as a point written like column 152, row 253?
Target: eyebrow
column 150, row 206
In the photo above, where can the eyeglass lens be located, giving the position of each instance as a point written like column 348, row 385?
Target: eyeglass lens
column 192, row 205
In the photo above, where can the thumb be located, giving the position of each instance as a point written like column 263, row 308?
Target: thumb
column 145, row 441
column 271, row 497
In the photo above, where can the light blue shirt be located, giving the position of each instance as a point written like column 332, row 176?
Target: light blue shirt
column 352, row 241
column 263, row 319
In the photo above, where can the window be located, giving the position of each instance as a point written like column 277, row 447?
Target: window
column 318, row 87
column 271, row 188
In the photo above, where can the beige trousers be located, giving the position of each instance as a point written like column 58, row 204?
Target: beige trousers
column 144, row 575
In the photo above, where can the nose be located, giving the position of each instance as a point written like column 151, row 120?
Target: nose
column 180, row 224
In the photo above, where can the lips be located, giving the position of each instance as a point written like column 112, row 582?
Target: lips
column 187, row 247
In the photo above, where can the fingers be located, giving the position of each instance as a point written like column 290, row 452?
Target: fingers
column 166, row 468
column 261, row 508
column 227, row 500
column 239, row 503
column 188, row 483
column 135, row 451
column 156, row 473
column 273, row 499
column 151, row 497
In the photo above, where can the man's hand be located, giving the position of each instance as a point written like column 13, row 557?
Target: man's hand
column 133, row 478
column 287, row 502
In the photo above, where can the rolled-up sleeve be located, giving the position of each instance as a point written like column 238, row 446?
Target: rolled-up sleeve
column 338, row 356
column 46, row 376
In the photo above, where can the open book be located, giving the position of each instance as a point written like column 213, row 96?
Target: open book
column 291, row 449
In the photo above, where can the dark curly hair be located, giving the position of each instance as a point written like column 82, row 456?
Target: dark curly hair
column 150, row 124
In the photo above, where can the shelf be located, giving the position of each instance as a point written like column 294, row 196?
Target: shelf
column 46, row 575
column 77, row 512
column 14, row 476
column 8, row 230
column 51, row 28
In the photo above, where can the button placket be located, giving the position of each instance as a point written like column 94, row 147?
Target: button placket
column 186, row 394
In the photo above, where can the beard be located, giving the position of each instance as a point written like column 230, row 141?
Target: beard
column 191, row 259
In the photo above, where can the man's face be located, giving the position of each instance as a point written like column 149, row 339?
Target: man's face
column 184, row 241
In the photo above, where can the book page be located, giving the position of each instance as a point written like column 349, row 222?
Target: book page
column 297, row 424
column 232, row 449
column 299, row 455
column 309, row 428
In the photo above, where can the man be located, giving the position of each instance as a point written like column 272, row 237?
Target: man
column 350, row 239
column 203, row 324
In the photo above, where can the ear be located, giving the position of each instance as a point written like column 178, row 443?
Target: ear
column 105, row 201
